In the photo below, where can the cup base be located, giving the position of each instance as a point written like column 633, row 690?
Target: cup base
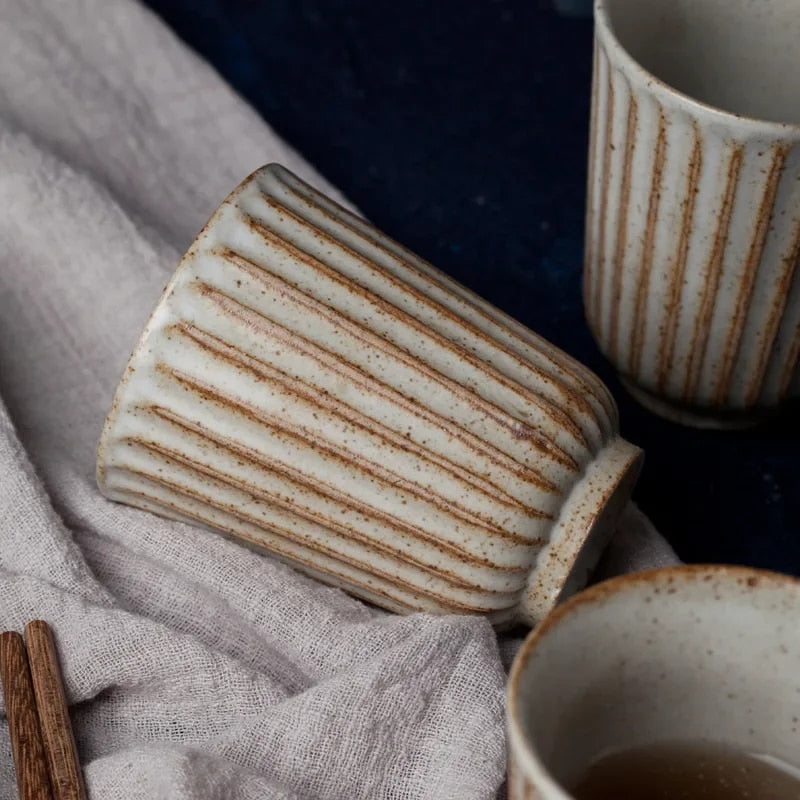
column 582, row 531
column 693, row 417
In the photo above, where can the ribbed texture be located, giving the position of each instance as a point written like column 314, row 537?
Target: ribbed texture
column 691, row 282
column 309, row 386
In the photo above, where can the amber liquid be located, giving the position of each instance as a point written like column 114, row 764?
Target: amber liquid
column 688, row 771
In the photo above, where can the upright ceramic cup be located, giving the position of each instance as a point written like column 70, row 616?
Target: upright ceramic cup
column 689, row 653
column 691, row 282
column 309, row 386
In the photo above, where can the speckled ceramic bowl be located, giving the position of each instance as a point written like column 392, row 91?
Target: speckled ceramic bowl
column 309, row 386
column 676, row 654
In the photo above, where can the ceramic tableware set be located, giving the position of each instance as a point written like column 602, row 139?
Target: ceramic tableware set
column 308, row 386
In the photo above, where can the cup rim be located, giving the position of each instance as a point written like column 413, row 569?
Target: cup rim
column 604, row 31
column 525, row 753
column 151, row 323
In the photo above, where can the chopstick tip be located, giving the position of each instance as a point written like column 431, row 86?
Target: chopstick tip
column 36, row 625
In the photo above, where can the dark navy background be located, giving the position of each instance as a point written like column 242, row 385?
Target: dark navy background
column 460, row 128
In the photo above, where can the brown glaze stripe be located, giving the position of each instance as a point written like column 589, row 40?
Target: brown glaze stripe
column 666, row 353
column 588, row 234
column 622, row 228
column 158, row 505
column 308, row 349
column 702, row 324
column 752, row 265
column 337, row 408
column 256, row 321
column 519, row 430
column 373, row 471
column 586, row 385
column 605, row 178
column 313, row 547
column 524, row 392
column 645, row 272
column 289, row 475
column 786, row 284
column 490, row 373
column 171, row 457
column 163, row 507
column 331, row 493
column 570, row 395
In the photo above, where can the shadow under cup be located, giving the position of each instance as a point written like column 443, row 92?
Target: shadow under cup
column 684, row 654
column 737, row 55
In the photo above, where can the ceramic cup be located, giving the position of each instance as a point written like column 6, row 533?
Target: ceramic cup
column 691, row 653
column 309, row 386
column 691, row 279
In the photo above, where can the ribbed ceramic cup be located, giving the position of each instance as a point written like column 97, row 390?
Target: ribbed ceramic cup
column 691, row 282
column 308, row 386
column 680, row 654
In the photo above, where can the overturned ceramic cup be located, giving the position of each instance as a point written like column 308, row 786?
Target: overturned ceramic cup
column 310, row 387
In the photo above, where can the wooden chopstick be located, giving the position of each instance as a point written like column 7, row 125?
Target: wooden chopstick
column 48, row 686
column 33, row 782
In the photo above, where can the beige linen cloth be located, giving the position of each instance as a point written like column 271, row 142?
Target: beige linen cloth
column 195, row 668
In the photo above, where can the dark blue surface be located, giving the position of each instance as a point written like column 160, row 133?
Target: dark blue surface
column 460, row 128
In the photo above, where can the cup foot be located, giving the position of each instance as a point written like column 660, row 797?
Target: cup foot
column 693, row 417
column 583, row 530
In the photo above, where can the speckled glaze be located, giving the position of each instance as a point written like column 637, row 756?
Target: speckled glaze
column 676, row 654
column 310, row 387
column 691, row 285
